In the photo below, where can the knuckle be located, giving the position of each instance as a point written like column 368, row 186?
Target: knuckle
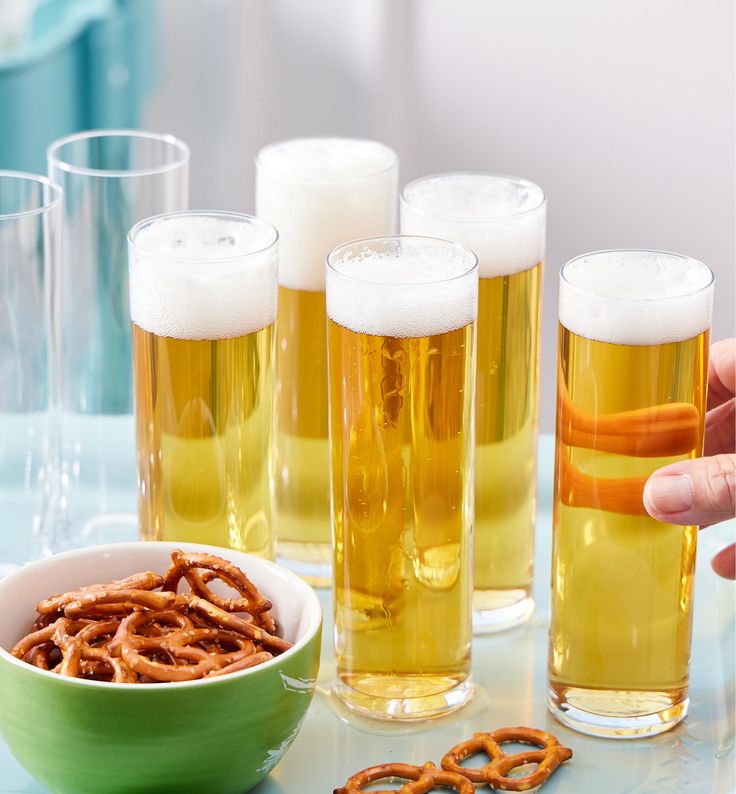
column 719, row 483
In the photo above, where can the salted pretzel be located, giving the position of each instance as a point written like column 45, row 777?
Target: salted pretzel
column 226, row 620
column 188, row 662
column 117, row 602
column 129, row 631
column 495, row 773
column 251, row 601
column 422, row 779
column 146, row 580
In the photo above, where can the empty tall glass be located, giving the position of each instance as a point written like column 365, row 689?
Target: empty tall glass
column 111, row 180
column 30, row 217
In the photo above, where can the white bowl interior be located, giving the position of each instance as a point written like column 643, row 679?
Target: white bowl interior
column 296, row 608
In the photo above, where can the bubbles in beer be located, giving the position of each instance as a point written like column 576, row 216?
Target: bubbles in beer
column 320, row 192
column 635, row 297
column 501, row 219
column 417, row 290
column 203, row 276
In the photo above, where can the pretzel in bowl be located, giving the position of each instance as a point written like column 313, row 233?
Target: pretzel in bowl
column 423, row 779
column 129, row 631
column 495, row 773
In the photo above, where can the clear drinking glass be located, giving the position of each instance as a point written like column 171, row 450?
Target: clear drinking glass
column 318, row 192
column 502, row 219
column 111, row 180
column 203, row 296
column 401, row 329
column 631, row 397
column 30, row 219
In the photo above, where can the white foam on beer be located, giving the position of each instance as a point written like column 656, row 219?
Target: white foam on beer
column 636, row 297
column 412, row 292
column 203, row 277
column 501, row 219
column 320, row 192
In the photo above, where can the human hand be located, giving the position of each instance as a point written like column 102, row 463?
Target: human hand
column 703, row 491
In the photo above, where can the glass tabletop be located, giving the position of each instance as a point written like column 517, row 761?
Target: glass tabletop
column 509, row 670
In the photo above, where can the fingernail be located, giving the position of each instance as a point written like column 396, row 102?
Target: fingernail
column 671, row 494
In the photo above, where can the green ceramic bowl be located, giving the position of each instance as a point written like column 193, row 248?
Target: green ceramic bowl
column 218, row 736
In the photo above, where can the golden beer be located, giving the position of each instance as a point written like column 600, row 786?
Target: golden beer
column 502, row 219
column 318, row 192
column 203, row 305
column 506, row 438
column 302, row 452
column 622, row 583
column 401, row 429
column 204, row 434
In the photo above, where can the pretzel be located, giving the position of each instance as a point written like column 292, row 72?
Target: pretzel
column 128, row 631
column 115, row 602
column 251, row 601
column 226, row 620
column 495, row 773
column 75, row 650
column 177, row 645
column 423, row 779
column 146, row 580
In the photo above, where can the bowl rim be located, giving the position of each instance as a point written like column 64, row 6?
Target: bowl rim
column 310, row 603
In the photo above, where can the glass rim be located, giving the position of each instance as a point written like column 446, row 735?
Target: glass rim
column 234, row 216
column 38, row 179
column 52, row 153
column 486, row 218
column 312, row 180
column 634, row 299
column 446, row 244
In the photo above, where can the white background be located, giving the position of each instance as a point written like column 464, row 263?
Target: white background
column 622, row 110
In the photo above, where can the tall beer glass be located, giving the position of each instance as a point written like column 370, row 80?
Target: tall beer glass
column 203, row 292
column 401, row 333
column 502, row 219
column 318, row 192
column 633, row 364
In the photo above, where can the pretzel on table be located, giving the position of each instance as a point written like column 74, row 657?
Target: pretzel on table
column 423, row 779
column 495, row 773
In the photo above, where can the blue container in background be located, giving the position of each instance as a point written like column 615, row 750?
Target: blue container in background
column 81, row 64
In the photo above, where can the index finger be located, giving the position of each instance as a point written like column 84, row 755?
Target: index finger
column 722, row 372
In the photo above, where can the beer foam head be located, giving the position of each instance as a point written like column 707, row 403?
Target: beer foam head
column 203, row 276
column 636, row 297
column 402, row 286
column 501, row 218
column 320, row 192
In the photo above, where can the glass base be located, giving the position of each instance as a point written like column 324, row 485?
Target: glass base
column 397, row 705
column 311, row 561
column 621, row 714
column 498, row 610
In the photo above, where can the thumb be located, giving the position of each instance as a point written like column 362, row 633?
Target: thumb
column 700, row 491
